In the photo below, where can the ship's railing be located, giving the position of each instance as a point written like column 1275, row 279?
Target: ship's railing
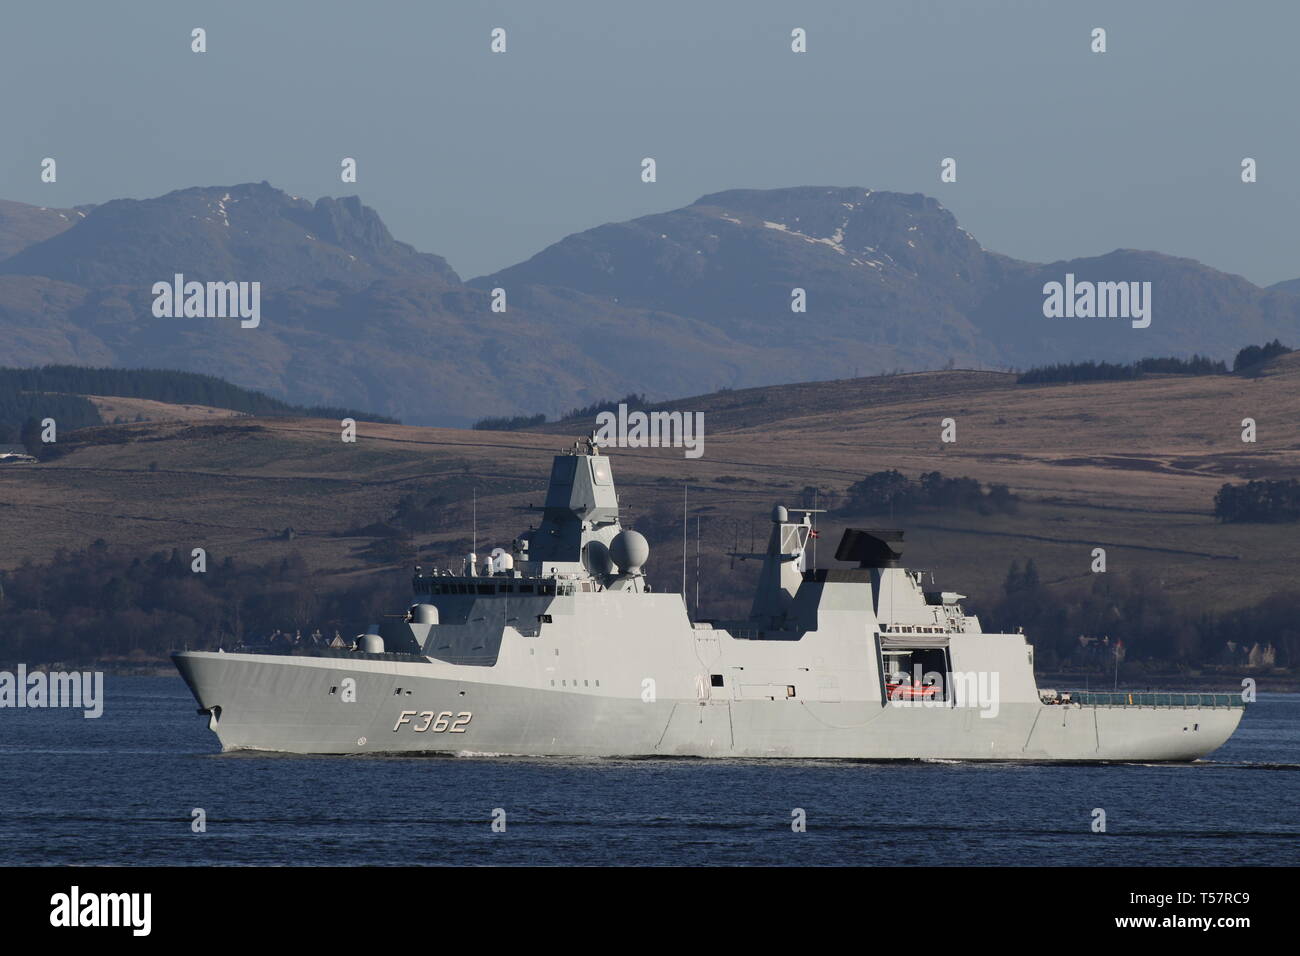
column 1154, row 699
column 491, row 585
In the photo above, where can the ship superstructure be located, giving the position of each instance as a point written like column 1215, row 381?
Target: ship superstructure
column 558, row 646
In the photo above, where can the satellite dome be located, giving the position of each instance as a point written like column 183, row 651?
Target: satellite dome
column 596, row 559
column 780, row 515
column 630, row 551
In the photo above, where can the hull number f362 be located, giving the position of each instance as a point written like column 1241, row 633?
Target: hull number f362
column 422, row 721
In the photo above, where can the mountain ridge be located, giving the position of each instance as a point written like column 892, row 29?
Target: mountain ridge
column 672, row 303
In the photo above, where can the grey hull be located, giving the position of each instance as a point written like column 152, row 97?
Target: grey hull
column 286, row 703
column 571, row 653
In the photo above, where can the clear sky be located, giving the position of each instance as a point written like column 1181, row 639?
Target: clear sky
column 486, row 158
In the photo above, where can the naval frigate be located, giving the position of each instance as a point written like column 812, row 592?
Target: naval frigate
column 559, row 647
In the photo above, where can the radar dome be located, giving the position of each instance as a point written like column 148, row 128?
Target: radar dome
column 780, row 515
column 596, row 559
column 630, row 551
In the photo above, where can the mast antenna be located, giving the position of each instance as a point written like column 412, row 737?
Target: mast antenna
column 697, row 565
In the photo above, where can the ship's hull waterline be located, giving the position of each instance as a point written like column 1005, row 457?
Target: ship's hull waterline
column 293, row 704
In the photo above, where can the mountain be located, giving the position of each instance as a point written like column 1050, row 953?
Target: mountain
column 1193, row 309
column 22, row 225
column 253, row 231
column 670, row 304
column 889, row 278
column 892, row 282
column 349, row 313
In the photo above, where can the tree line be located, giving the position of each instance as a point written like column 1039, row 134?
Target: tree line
column 509, row 423
column 21, row 414
column 891, row 492
column 1269, row 501
column 1091, row 371
column 1067, row 627
column 103, row 602
column 1253, row 355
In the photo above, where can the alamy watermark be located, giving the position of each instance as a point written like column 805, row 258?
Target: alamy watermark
column 76, row 908
column 1098, row 300
column 80, row 689
column 926, row 689
column 208, row 300
column 626, row 429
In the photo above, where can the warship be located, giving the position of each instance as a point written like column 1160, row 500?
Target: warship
column 558, row 646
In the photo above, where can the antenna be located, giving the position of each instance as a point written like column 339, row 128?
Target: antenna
column 684, row 487
column 697, row 566
column 814, row 528
column 474, row 497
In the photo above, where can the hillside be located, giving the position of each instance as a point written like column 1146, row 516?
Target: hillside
column 1131, row 466
column 22, row 225
column 78, row 397
column 681, row 302
column 114, row 408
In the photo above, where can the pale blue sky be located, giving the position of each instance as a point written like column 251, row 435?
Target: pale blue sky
column 485, row 159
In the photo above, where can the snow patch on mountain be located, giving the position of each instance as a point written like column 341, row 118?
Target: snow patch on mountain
column 835, row 241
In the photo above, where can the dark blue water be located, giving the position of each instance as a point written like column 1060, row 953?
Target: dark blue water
column 120, row 790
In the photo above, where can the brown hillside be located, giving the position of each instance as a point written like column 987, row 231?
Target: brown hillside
column 1129, row 466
